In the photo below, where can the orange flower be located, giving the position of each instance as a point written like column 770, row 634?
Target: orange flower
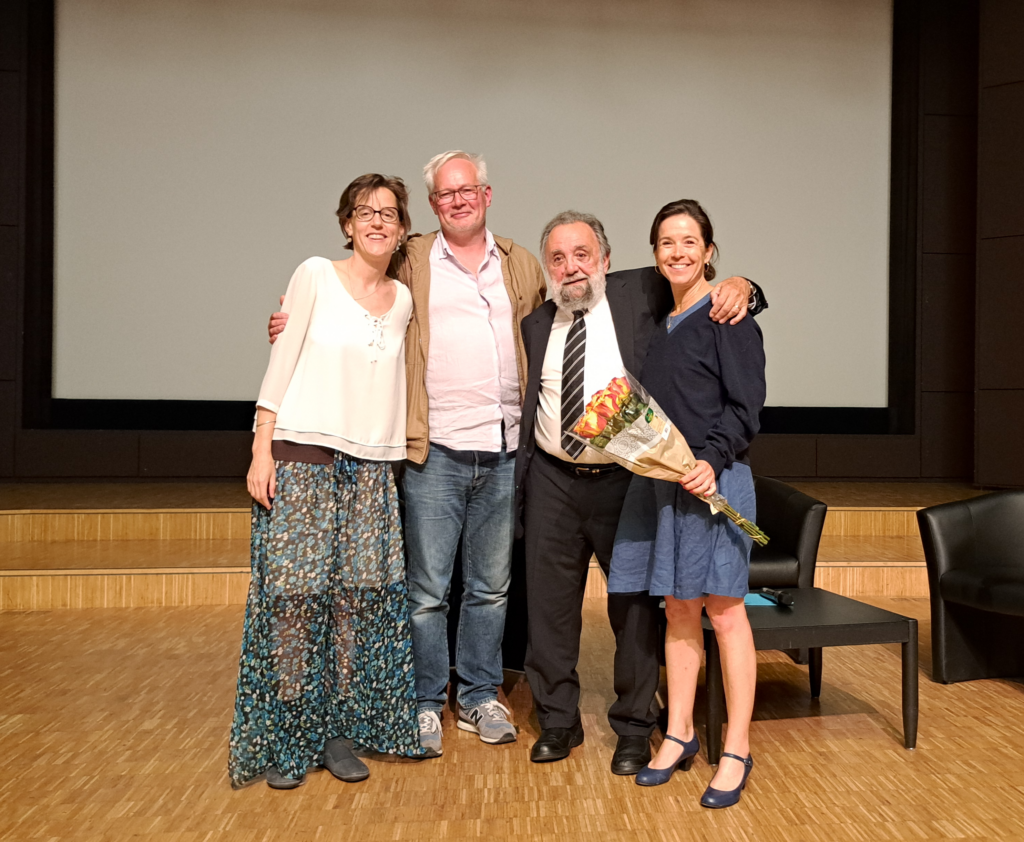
column 590, row 425
column 605, row 405
column 619, row 387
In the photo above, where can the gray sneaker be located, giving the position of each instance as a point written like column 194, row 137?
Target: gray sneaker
column 490, row 721
column 430, row 733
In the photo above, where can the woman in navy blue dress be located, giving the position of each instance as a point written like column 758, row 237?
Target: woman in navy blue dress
column 709, row 379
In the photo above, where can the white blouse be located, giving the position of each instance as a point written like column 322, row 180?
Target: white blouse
column 337, row 374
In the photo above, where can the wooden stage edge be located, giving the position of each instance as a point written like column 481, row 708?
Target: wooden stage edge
column 56, row 553
column 54, row 525
column 163, row 558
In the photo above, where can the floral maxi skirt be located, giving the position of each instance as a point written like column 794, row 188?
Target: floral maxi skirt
column 326, row 647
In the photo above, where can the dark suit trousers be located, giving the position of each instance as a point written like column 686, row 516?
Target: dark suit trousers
column 567, row 519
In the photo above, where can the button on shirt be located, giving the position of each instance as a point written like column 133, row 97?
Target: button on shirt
column 472, row 378
column 602, row 362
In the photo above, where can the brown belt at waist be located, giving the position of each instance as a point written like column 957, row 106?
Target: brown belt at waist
column 289, row 451
column 578, row 469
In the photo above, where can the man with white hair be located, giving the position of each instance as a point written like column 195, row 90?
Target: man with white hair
column 466, row 372
column 569, row 497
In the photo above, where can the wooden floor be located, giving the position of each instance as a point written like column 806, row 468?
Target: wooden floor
column 114, row 726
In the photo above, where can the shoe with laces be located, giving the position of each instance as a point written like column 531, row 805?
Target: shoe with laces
column 430, row 733
column 490, row 721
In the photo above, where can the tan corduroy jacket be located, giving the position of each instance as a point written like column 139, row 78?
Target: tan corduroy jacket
column 524, row 281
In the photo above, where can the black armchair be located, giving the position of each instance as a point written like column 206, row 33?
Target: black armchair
column 793, row 522
column 974, row 551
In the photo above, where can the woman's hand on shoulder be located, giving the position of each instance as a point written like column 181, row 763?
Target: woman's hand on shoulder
column 262, row 479
column 701, row 480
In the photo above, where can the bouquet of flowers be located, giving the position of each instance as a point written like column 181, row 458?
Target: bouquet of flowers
column 623, row 422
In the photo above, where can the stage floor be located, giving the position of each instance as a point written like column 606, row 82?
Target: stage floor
column 137, row 544
column 124, row 495
column 115, row 726
column 233, row 494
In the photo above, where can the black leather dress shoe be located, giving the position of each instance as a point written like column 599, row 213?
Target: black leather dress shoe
column 555, row 743
column 632, row 753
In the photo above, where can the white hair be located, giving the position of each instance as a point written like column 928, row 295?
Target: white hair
column 438, row 161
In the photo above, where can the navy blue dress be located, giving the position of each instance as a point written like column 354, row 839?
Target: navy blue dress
column 709, row 379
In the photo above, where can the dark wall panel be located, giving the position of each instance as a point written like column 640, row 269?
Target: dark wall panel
column 999, row 341
column 1001, row 160
column 869, row 457
column 1002, row 27
column 999, row 445
column 947, row 434
column 194, row 454
column 949, row 57
column 1000, row 319
column 947, row 322
column 10, row 262
column 8, row 402
column 10, row 148
column 784, row 456
column 10, row 35
column 949, row 185
column 71, row 453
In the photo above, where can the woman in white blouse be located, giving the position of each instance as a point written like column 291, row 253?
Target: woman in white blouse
column 326, row 653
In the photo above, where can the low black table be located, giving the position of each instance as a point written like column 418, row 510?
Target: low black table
column 816, row 619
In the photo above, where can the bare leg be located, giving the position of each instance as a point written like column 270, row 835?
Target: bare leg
column 684, row 643
column 739, row 672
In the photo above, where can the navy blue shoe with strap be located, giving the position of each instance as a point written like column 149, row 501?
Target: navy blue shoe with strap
column 655, row 777
column 718, row 798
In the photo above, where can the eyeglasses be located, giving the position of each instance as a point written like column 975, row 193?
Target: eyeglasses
column 446, row 197
column 364, row 213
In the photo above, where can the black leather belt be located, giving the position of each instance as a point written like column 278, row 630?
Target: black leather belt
column 578, row 469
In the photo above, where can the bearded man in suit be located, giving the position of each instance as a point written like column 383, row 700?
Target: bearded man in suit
column 569, row 497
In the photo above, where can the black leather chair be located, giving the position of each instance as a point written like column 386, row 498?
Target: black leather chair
column 974, row 550
column 793, row 522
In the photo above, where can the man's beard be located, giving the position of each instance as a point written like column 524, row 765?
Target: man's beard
column 591, row 297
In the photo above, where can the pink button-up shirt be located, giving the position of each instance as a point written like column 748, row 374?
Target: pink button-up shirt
column 472, row 379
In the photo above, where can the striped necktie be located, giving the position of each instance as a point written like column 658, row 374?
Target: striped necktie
column 572, row 382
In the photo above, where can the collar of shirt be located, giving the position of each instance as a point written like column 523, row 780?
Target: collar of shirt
column 445, row 251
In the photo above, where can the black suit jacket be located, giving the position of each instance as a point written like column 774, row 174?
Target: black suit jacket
column 638, row 299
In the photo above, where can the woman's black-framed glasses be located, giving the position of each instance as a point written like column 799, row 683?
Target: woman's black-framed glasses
column 364, row 213
column 467, row 192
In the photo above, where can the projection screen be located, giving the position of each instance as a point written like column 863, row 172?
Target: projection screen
column 202, row 147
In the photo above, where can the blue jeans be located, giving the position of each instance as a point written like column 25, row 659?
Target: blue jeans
column 456, row 493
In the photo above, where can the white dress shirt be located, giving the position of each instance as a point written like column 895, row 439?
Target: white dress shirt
column 472, row 377
column 602, row 362
column 337, row 374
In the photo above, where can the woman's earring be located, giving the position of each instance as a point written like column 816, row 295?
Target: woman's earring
column 706, row 267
